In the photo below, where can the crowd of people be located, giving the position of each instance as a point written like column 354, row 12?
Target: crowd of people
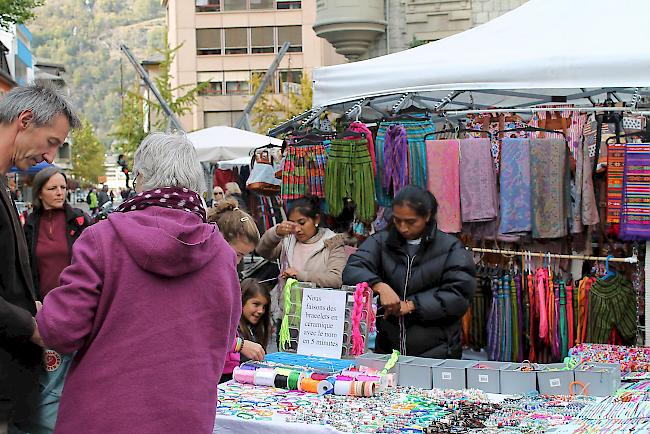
column 127, row 325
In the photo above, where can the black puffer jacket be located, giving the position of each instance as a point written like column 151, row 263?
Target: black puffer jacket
column 439, row 279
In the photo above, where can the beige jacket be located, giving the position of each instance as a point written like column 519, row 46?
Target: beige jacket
column 324, row 267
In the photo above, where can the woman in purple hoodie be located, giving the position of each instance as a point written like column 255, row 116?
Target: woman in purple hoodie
column 150, row 304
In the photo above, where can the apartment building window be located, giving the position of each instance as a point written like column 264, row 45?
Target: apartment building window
column 213, row 119
column 293, row 34
column 261, row 4
column 234, row 5
column 208, row 41
column 236, row 40
column 213, row 88
column 290, row 81
column 207, row 6
column 237, row 82
column 288, row 4
column 262, row 39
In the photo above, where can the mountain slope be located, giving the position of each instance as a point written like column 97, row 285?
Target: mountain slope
column 84, row 37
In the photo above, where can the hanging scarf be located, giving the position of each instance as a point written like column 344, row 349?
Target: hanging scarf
column 564, row 332
column 493, row 322
column 533, row 316
column 569, row 316
column 514, row 325
column 542, row 284
column 444, row 182
column 518, row 325
column 549, row 187
column 478, row 183
column 396, row 168
column 515, row 212
column 360, row 127
column 166, row 197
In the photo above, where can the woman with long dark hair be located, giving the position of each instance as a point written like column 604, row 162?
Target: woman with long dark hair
column 425, row 279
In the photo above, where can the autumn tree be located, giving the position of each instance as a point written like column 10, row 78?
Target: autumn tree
column 87, row 154
column 271, row 110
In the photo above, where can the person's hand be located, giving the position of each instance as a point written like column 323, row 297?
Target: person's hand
column 285, row 228
column 252, row 350
column 36, row 336
column 289, row 272
column 406, row 307
column 388, row 298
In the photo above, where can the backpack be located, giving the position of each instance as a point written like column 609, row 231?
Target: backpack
column 88, row 198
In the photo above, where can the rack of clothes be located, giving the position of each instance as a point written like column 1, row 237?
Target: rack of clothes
column 537, row 312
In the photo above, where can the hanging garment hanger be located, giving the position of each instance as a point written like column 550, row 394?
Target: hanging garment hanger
column 533, row 130
column 411, row 113
column 608, row 273
column 269, row 146
column 458, row 130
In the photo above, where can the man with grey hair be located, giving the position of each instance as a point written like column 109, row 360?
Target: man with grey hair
column 34, row 122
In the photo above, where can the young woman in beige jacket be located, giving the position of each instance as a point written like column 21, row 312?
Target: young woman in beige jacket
column 306, row 251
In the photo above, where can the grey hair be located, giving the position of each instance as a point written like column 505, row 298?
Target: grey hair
column 39, row 182
column 44, row 102
column 168, row 160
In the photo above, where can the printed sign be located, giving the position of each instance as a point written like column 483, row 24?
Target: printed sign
column 555, row 382
column 483, row 378
column 446, row 375
column 321, row 323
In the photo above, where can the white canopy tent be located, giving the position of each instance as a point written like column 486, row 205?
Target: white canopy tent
column 544, row 51
column 221, row 143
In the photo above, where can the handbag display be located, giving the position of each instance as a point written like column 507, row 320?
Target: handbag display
column 264, row 165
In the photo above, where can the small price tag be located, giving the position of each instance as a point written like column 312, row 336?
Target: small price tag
column 555, row 382
column 483, row 378
column 446, row 375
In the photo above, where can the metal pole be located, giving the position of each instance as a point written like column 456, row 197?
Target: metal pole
column 243, row 122
column 150, row 84
column 630, row 260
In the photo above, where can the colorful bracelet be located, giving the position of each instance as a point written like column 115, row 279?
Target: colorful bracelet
column 239, row 344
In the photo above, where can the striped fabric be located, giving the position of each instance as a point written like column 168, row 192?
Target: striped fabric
column 415, row 132
column 615, row 168
column 303, row 172
column 635, row 212
column 612, row 306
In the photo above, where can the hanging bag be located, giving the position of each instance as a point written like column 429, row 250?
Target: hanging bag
column 262, row 177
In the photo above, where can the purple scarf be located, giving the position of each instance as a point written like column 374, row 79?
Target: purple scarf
column 166, row 197
column 395, row 159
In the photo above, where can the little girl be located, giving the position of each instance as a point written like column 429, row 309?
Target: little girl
column 255, row 322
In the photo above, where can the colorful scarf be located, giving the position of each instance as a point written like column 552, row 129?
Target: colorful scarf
column 615, row 169
column 635, row 212
column 478, row 183
column 360, row 127
column 444, row 182
column 166, row 197
column 515, row 186
column 549, row 187
column 396, row 167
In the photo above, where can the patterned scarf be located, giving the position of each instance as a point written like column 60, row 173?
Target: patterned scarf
column 395, row 159
column 166, row 197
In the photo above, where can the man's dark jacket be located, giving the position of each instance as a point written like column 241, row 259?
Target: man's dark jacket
column 441, row 285
column 19, row 358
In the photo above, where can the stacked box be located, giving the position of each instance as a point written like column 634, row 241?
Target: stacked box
column 485, row 376
column 451, row 374
column 514, row 381
column 598, row 379
column 555, row 379
column 417, row 372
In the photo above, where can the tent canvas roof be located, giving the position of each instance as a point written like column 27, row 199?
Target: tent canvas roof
column 543, row 51
column 220, row 143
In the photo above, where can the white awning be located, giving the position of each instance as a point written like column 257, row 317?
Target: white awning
column 221, row 143
column 543, row 51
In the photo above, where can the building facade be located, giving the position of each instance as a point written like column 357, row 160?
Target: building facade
column 369, row 28
column 224, row 42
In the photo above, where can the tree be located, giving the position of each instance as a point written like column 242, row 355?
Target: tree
column 129, row 129
column 187, row 93
column 271, row 110
column 17, row 11
column 87, row 154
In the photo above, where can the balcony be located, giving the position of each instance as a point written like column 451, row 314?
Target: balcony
column 350, row 26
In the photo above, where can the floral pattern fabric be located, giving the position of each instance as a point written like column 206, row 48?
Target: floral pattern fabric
column 515, row 186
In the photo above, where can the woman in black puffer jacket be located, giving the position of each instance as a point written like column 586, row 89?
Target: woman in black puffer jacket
column 425, row 279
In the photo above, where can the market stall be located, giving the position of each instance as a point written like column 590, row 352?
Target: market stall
column 220, row 143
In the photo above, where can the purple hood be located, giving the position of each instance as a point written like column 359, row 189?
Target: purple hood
column 166, row 242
